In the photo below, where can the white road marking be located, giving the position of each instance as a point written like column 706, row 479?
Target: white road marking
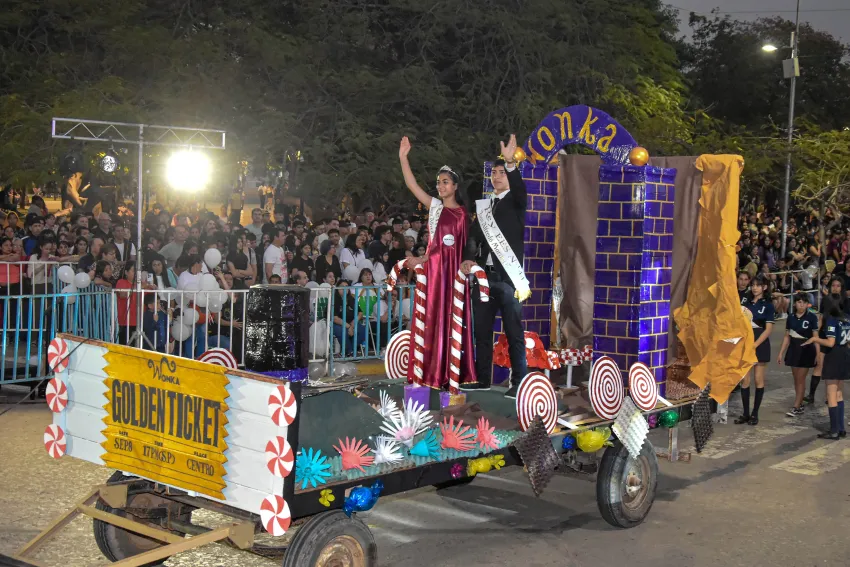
column 503, row 479
column 392, row 519
column 830, row 457
column 390, row 534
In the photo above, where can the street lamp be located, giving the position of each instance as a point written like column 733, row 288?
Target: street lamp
column 790, row 70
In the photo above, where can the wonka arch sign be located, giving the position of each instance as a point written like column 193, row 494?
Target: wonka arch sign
column 583, row 125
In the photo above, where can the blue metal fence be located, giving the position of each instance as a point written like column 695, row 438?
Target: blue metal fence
column 364, row 318
column 29, row 323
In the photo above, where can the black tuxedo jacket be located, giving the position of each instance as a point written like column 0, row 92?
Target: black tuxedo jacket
column 509, row 212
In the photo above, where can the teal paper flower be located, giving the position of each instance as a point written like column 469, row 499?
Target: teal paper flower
column 428, row 446
column 311, row 468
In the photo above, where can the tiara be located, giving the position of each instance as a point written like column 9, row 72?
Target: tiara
column 447, row 169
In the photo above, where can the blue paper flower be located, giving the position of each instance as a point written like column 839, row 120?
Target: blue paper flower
column 569, row 443
column 428, row 446
column 311, row 468
column 361, row 499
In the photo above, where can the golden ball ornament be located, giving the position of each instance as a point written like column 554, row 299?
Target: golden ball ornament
column 638, row 156
column 519, row 155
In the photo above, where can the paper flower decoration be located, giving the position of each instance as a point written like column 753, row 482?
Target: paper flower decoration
column 428, row 446
column 389, row 407
column 353, row 453
column 361, row 498
column 457, row 470
column 485, row 438
column 326, row 496
column 456, row 437
column 569, row 443
column 386, row 450
column 311, row 468
column 403, row 427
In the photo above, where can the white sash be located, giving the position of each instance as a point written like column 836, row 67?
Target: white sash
column 434, row 212
column 500, row 247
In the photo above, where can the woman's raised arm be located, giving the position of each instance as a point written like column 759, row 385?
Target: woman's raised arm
column 409, row 179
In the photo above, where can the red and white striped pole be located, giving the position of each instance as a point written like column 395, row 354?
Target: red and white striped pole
column 483, row 282
column 395, row 272
column 456, row 341
column 419, row 325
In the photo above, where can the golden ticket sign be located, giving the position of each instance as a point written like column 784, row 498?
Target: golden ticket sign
column 165, row 419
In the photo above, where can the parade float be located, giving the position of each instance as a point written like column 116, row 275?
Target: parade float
column 292, row 462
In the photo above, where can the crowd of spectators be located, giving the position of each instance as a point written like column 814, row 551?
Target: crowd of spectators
column 260, row 245
column 807, row 264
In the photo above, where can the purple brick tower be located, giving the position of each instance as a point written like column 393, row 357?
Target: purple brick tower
column 634, row 255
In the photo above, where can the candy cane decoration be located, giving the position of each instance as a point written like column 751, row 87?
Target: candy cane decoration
column 456, row 341
column 483, row 282
column 395, row 272
column 419, row 326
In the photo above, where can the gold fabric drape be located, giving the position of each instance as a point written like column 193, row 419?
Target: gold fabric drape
column 716, row 334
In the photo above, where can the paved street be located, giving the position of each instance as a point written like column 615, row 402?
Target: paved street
column 767, row 495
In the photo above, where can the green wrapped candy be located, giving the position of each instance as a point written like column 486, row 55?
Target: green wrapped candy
column 668, row 418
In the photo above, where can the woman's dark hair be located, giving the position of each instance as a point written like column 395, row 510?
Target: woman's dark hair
column 81, row 239
column 99, row 267
column 763, row 281
column 801, row 296
column 4, row 239
column 447, row 170
column 831, row 302
column 289, row 242
column 351, row 243
column 126, row 267
column 43, row 238
column 363, row 271
column 302, row 245
column 186, row 261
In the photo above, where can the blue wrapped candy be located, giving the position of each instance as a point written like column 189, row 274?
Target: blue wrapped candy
column 361, row 499
column 569, row 443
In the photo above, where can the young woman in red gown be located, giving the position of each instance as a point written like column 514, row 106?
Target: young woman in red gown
column 447, row 237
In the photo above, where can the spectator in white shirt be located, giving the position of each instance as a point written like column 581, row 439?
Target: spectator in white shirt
column 353, row 253
column 274, row 259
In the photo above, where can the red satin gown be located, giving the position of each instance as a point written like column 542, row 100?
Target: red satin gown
column 445, row 253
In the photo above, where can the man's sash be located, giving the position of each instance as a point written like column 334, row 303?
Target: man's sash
column 502, row 250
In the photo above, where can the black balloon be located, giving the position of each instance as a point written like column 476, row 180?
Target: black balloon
column 277, row 328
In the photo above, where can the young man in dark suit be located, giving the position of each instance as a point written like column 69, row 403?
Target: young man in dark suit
column 507, row 206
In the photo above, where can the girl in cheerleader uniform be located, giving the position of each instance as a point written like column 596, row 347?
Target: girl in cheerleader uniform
column 800, row 326
column 762, row 314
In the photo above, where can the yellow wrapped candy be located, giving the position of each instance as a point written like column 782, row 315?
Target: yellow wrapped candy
column 592, row 440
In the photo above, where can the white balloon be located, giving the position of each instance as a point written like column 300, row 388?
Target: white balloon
column 311, row 285
column 214, row 305
column 339, row 370
column 219, row 297
column 181, row 332
column 316, row 370
column 66, row 274
column 319, row 339
column 351, row 273
column 365, row 264
column 202, row 299
column 212, row 257
column 209, row 283
column 350, row 369
column 82, row 280
column 405, row 308
column 178, row 320
column 70, row 289
column 190, row 316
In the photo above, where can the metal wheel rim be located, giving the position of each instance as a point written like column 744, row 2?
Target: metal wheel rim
column 635, row 482
column 342, row 551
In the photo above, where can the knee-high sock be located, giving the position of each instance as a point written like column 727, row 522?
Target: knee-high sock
column 745, row 399
column 841, row 415
column 833, row 419
column 813, row 385
column 757, row 402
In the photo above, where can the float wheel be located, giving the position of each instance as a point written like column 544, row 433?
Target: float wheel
column 116, row 543
column 332, row 539
column 625, row 487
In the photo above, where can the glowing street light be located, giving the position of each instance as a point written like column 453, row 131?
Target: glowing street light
column 769, row 47
column 188, row 170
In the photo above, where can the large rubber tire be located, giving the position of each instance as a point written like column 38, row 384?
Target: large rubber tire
column 625, row 487
column 332, row 539
column 116, row 543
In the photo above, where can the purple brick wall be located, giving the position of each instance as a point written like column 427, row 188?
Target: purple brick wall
column 634, row 250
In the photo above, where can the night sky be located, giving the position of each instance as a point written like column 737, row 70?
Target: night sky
column 832, row 16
